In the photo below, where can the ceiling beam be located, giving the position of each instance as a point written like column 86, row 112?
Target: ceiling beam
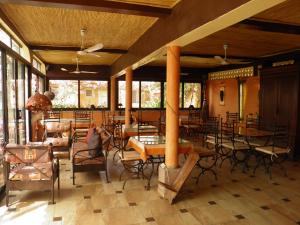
column 268, row 26
column 74, row 49
column 244, row 58
column 99, row 5
column 188, row 22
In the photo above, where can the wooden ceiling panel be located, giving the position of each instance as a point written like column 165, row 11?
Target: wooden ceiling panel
column 61, row 27
column 244, row 42
column 68, row 57
column 287, row 12
column 157, row 3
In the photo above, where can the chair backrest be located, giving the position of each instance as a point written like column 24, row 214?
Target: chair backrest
column 227, row 131
column 82, row 119
column 106, row 137
column 281, row 137
column 36, row 157
column 52, row 116
column 232, row 117
column 211, row 128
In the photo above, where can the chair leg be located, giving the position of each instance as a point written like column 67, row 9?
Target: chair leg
column 106, row 174
column 73, row 177
column 7, row 197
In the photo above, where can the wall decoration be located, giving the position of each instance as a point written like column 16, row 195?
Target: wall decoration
column 222, row 95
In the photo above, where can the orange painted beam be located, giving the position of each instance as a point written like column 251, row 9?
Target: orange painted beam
column 128, row 102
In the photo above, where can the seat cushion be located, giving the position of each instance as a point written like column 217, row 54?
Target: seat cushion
column 58, row 142
column 236, row 146
column 273, row 150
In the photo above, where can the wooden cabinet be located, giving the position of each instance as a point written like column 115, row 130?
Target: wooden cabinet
column 279, row 99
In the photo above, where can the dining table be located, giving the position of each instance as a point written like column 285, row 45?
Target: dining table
column 153, row 147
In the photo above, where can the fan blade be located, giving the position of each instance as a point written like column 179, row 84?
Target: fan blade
column 94, row 54
column 64, row 69
column 76, row 72
column 88, row 72
column 218, row 57
column 94, row 48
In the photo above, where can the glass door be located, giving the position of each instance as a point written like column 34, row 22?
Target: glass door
column 2, row 136
column 11, row 100
column 21, row 104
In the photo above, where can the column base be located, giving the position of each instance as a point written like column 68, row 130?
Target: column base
column 166, row 176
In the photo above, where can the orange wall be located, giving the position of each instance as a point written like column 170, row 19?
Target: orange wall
column 251, row 100
column 252, row 86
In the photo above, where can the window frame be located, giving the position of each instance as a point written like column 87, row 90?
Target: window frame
column 162, row 107
column 78, row 94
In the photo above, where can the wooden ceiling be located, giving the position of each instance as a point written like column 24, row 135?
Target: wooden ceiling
column 158, row 3
column 60, row 27
column 245, row 41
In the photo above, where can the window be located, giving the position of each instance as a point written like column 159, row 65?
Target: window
column 34, row 83
column 15, row 46
column 192, row 95
column 4, row 37
column 41, row 84
column 241, row 100
column 180, row 95
column 36, row 64
column 66, row 93
column 93, row 93
column 1, row 102
column 150, row 94
column 135, row 93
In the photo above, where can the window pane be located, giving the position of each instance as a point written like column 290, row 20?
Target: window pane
column 66, row 93
column 11, row 100
column 93, row 93
column 34, row 83
column 1, row 102
column 4, row 37
column 15, row 46
column 192, row 95
column 150, row 94
column 135, row 93
column 41, row 84
column 21, row 103
column 165, row 94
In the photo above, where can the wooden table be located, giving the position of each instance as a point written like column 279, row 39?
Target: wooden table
column 155, row 145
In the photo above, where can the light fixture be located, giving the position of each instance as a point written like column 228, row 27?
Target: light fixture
column 38, row 102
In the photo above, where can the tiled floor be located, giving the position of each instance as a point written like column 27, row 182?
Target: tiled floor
column 235, row 198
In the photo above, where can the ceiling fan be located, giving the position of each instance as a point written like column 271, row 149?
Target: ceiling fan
column 77, row 71
column 88, row 51
column 223, row 61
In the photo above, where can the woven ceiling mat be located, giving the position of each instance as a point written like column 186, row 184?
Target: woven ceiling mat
column 69, row 57
column 157, row 3
column 61, row 27
column 244, row 42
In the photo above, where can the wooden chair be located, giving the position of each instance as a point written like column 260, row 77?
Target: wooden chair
column 82, row 161
column 276, row 152
column 30, row 167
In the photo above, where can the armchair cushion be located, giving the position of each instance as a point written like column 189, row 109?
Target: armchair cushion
column 58, row 142
column 95, row 144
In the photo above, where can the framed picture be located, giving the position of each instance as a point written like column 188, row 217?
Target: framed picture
column 222, row 95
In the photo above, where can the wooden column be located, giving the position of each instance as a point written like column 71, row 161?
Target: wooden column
column 172, row 106
column 112, row 94
column 128, row 102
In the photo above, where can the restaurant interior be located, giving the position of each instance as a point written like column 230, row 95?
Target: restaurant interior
column 135, row 112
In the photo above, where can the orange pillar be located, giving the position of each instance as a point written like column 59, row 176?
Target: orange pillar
column 128, row 103
column 112, row 94
column 172, row 106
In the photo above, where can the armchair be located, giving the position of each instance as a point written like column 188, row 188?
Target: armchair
column 58, row 134
column 30, row 167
